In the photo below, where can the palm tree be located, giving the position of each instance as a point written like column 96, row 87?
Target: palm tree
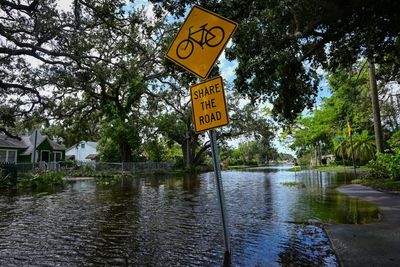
column 364, row 146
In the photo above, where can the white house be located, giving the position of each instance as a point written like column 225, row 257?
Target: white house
column 83, row 151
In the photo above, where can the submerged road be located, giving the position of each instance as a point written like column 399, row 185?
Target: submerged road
column 375, row 244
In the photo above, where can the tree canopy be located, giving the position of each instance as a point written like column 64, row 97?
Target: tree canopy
column 282, row 45
column 98, row 69
column 326, row 128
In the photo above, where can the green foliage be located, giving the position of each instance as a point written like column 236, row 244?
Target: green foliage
column 281, row 45
column 250, row 153
column 326, row 127
column 159, row 150
column 364, row 146
column 120, row 140
column 385, row 166
column 78, row 127
column 295, row 169
column 247, row 152
column 110, row 180
column 382, row 184
column 305, row 160
column 89, row 171
column 294, row 184
column 40, row 179
column 155, row 150
column 394, row 141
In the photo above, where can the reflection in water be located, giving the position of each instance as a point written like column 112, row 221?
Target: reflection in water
column 164, row 221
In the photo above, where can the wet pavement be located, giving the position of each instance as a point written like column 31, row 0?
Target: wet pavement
column 375, row 244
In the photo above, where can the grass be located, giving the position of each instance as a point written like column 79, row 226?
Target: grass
column 294, row 184
column 339, row 168
column 329, row 168
column 40, row 179
column 382, row 184
column 239, row 167
column 296, row 169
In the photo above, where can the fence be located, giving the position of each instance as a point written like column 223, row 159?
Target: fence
column 128, row 166
column 143, row 166
column 95, row 166
column 25, row 167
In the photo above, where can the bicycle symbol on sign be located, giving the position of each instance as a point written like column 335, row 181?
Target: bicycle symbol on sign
column 211, row 37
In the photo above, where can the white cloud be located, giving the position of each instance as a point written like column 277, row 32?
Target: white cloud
column 228, row 67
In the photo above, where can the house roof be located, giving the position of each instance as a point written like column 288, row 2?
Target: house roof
column 9, row 142
column 91, row 156
column 28, row 143
column 90, row 143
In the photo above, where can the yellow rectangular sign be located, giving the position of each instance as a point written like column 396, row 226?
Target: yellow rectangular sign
column 200, row 41
column 209, row 105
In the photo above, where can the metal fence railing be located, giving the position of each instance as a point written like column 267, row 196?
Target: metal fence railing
column 94, row 166
column 132, row 166
column 25, row 167
column 143, row 166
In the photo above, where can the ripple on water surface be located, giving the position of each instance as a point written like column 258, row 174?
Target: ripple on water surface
column 169, row 221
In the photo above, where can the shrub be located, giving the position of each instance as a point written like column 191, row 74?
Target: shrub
column 386, row 166
column 41, row 178
column 394, row 141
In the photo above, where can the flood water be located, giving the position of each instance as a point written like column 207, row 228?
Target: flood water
column 174, row 221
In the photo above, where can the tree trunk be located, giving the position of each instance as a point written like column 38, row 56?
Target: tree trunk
column 126, row 150
column 375, row 107
column 192, row 154
column 188, row 155
column 186, row 160
column 187, row 151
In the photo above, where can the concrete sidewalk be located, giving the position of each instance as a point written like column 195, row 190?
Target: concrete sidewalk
column 375, row 244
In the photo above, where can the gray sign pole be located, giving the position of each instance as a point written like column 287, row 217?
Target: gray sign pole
column 34, row 150
column 220, row 191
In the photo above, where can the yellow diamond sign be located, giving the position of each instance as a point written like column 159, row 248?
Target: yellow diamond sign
column 209, row 105
column 200, row 41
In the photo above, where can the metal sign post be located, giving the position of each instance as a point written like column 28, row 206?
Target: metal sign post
column 34, row 150
column 196, row 47
column 220, row 192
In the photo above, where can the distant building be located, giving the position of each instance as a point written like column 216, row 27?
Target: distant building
column 83, row 151
column 327, row 159
column 13, row 150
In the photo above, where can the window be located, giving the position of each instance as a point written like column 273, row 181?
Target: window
column 3, row 155
column 12, row 156
column 8, row 156
column 57, row 156
column 82, row 145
